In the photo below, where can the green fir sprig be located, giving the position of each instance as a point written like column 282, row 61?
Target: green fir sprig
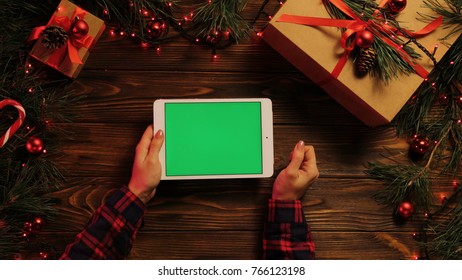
column 451, row 10
column 25, row 179
column 221, row 16
column 403, row 182
column 390, row 64
column 447, row 243
column 434, row 111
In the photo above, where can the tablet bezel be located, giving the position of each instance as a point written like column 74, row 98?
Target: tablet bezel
column 267, row 136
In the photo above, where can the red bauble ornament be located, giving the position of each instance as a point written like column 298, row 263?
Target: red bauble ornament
column 156, row 28
column 397, row 6
column 34, row 145
column 80, row 28
column 420, row 145
column 364, row 39
column 214, row 37
column 44, row 255
column 405, row 209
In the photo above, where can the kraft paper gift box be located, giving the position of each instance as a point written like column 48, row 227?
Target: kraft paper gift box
column 70, row 58
column 316, row 50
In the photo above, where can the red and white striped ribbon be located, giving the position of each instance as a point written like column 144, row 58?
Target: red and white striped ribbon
column 14, row 127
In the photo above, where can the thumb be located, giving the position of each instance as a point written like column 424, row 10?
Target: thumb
column 156, row 144
column 297, row 157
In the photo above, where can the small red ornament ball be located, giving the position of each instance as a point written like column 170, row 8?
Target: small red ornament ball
column 420, row 145
column 80, row 28
column 364, row 39
column 405, row 209
column 397, row 6
column 34, row 145
column 156, row 28
column 214, row 37
column 44, row 255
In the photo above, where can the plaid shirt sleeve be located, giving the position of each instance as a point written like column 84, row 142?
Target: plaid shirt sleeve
column 110, row 232
column 286, row 232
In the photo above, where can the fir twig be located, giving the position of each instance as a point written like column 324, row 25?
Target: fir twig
column 451, row 12
column 403, row 182
column 221, row 16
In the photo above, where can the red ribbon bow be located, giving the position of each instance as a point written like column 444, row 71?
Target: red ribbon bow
column 355, row 25
column 72, row 45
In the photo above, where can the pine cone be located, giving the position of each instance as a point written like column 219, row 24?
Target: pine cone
column 54, row 37
column 366, row 60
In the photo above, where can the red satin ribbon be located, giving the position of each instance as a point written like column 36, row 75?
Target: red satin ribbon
column 355, row 25
column 71, row 48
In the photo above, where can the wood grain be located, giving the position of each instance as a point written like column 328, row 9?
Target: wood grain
column 241, row 245
column 222, row 219
column 240, row 205
column 296, row 100
column 106, row 149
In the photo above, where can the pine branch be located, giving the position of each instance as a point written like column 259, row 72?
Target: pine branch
column 221, row 16
column 390, row 64
column 451, row 12
column 448, row 241
column 404, row 182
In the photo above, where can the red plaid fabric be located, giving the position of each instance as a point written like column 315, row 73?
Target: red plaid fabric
column 286, row 232
column 112, row 229
column 110, row 232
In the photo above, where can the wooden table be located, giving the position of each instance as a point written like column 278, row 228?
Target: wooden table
column 222, row 219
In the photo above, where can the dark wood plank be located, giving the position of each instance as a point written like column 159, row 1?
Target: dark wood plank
column 330, row 205
column 222, row 219
column 106, row 150
column 121, row 96
column 247, row 245
column 181, row 55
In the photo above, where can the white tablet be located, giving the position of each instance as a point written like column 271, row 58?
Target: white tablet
column 215, row 138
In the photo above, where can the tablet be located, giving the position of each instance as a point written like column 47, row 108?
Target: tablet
column 215, row 138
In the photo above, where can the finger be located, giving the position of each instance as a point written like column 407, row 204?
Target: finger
column 142, row 148
column 297, row 158
column 156, row 144
column 309, row 162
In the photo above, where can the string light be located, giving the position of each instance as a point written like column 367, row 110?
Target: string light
column 443, row 199
column 30, row 90
column 105, row 12
column 435, row 49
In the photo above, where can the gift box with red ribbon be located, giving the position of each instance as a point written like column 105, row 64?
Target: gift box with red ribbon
column 321, row 47
column 65, row 42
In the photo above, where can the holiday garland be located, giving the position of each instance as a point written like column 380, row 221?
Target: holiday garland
column 34, row 100
column 28, row 171
column 432, row 120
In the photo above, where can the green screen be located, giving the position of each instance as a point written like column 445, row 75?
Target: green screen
column 213, row 138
